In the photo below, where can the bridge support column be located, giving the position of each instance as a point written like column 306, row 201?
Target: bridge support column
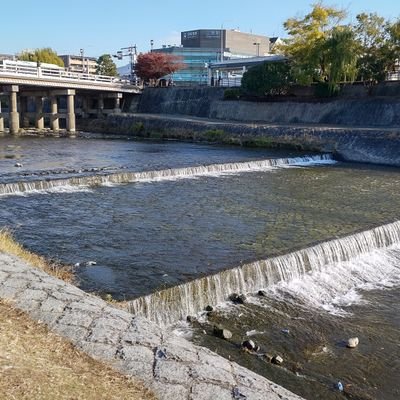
column 39, row 118
column 1, row 121
column 70, row 111
column 55, row 126
column 100, row 106
column 23, row 110
column 117, row 104
column 85, row 107
column 14, row 114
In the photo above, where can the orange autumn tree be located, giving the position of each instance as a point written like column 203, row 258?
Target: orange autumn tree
column 152, row 66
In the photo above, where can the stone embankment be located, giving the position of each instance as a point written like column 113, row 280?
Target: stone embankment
column 362, row 126
column 370, row 145
column 171, row 366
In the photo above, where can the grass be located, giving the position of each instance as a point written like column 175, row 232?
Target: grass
column 9, row 245
column 38, row 364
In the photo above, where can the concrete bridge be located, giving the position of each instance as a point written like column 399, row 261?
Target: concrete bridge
column 36, row 95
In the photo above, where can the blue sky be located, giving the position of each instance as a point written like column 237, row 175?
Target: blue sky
column 105, row 26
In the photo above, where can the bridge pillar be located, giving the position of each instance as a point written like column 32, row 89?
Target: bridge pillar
column 39, row 117
column 85, row 107
column 23, row 109
column 55, row 126
column 1, row 121
column 14, row 114
column 70, row 111
column 100, row 106
column 117, row 104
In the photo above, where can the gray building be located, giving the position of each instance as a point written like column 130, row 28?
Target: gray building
column 201, row 47
column 81, row 63
column 232, row 41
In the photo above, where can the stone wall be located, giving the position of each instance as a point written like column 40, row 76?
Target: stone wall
column 356, row 108
column 371, row 145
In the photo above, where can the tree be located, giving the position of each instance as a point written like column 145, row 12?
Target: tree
column 44, row 55
column 372, row 33
column 306, row 45
column 106, row 66
column 270, row 78
column 393, row 47
column 341, row 56
column 153, row 66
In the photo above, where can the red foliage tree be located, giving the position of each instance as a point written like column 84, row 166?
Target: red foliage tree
column 153, row 66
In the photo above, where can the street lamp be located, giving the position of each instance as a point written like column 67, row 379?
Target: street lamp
column 151, row 44
column 82, row 51
column 257, row 44
column 130, row 52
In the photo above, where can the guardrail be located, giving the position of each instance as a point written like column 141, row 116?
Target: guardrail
column 55, row 73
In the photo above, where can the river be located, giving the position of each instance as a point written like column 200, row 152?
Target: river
column 80, row 200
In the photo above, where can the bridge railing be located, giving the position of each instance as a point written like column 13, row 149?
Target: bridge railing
column 16, row 68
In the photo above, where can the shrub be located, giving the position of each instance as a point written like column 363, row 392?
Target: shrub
column 214, row 135
column 326, row 89
column 268, row 79
column 232, row 94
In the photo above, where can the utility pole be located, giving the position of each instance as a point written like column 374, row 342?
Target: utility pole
column 131, row 52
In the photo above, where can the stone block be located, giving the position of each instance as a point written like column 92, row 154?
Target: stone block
column 51, row 305
column 211, row 374
column 33, row 295
column 16, row 283
column 205, row 391
column 206, row 356
column 76, row 318
column 181, row 350
column 76, row 334
column 100, row 351
column 137, row 353
column 141, row 330
column 172, row 372
column 165, row 391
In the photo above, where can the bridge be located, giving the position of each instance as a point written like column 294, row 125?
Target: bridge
column 34, row 92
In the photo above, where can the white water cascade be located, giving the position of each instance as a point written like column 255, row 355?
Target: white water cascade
column 159, row 175
column 173, row 304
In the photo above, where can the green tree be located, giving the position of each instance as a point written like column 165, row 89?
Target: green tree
column 341, row 54
column 44, row 55
column 106, row 66
column 306, row 43
column 392, row 48
column 372, row 33
column 271, row 78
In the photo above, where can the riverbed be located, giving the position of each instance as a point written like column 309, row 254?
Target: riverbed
column 144, row 236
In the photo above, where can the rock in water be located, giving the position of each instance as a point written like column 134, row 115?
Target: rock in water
column 249, row 345
column 277, row 360
column 90, row 263
column 222, row 332
column 352, row 342
column 237, row 298
column 18, row 165
column 339, row 386
column 209, row 308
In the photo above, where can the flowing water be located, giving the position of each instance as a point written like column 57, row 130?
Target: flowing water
column 174, row 227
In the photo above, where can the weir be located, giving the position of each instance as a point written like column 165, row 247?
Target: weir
column 14, row 188
column 173, row 304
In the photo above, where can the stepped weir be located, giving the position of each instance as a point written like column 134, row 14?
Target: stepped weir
column 159, row 175
column 173, row 304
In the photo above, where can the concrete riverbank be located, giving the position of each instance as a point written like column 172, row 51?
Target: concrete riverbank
column 171, row 366
column 378, row 145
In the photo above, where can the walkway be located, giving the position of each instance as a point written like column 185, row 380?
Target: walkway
column 173, row 367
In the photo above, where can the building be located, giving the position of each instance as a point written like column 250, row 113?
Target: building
column 232, row 42
column 80, row 63
column 201, row 47
column 7, row 57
